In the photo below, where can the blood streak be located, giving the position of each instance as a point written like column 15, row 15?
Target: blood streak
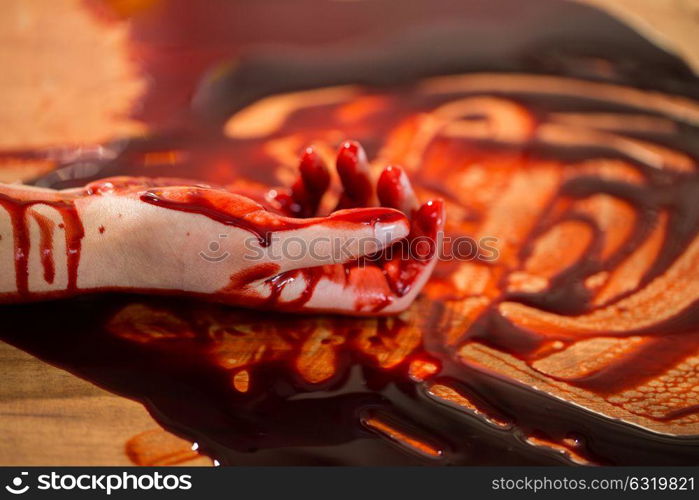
column 258, row 221
column 46, row 227
column 310, row 278
column 308, row 190
column 74, row 233
column 353, row 168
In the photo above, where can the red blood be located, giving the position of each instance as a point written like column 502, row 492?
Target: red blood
column 234, row 210
column 311, row 277
column 413, row 254
column 240, row 281
column 353, row 169
column 314, row 171
column 394, row 190
column 312, row 184
column 74, row 232
column 46, row 228
column 428, row 218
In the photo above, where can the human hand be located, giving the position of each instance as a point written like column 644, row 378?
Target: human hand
column 168, row 236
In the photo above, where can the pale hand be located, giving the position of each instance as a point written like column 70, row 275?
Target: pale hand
column 242, row 245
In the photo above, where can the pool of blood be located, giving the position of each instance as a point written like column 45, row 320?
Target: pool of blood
column 280, row 417
column 171, row 354
column 324, row 391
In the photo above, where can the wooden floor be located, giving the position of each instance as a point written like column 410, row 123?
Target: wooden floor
column 50, row 417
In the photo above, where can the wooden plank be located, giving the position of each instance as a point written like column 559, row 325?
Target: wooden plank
column 50, row 417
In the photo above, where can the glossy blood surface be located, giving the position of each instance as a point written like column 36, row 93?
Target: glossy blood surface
column 564, row 330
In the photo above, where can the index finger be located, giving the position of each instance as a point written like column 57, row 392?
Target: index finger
column 341, row 237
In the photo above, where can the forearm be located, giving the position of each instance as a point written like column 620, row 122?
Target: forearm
column 36, row 227
column 132, row 245
column 57, row 244
column 166, row 235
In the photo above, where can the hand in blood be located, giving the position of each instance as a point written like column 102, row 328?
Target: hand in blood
column 240, row 244
column 383, row 283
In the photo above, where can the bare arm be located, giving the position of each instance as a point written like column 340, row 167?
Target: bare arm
column 156, row 236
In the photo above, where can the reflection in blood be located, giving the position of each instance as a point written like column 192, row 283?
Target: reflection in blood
column 579, row 339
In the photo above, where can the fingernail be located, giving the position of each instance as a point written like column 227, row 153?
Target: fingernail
column 391, row 231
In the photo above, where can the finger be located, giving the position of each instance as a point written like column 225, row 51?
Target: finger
column 394, row 190
column 343, row 236
column 315, row 176
column 429, row 220
column 353, row 170
column 286, row 274
column 313, row 182
column 304, row 197
column 403, row 274
column 289, row 243
column 370, row 289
